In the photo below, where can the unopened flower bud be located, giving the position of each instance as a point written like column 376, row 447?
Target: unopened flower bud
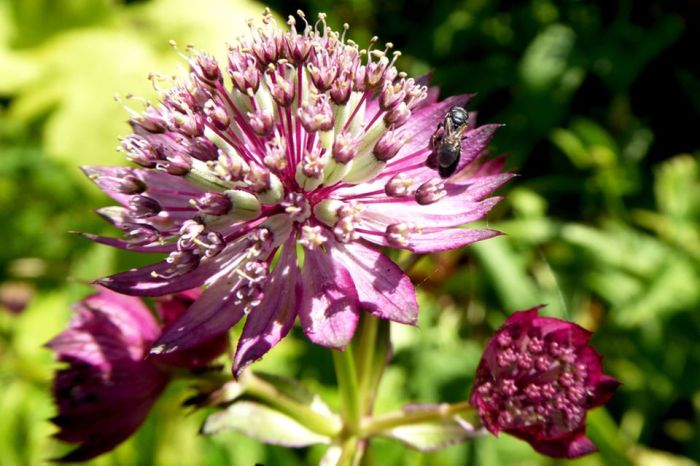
column 143, row 206
column 430, row 191
column 344, row 147
column 388, row 145
column 213, row 204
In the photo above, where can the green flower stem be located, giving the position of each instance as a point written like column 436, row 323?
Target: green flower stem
column 346, row 374
column 264, row 391
column 375, row 425
column 365, row 359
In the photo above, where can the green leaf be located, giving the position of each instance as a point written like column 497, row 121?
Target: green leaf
column 432, row 436
column 261, row 423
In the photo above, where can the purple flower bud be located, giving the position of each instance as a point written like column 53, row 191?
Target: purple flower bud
column 140, row 234
column 139, row 151
column 281, row 89
column 341, row 88
column 317, row 115
column 213, row 204
column 398, row 115
column 544, row 404
column 244, row 71
column 202, row 149
column 399, row 186
column 430, row 191
column 344, row 147
column 261, row 121
column 130, row 185
column 143, row 206
column 206, row 69
column 217, row 115
column 388, row 145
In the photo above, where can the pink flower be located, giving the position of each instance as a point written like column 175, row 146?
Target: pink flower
column 108, row 388
column 311, row 159
column 537, row 379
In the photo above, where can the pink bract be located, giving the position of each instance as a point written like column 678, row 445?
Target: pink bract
column 537, row 379
column 311, row 156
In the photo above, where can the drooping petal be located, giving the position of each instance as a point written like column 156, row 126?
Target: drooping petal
column 275, row 316
column 212, row 315
column 383, row 289
column 329, row 307
column 158, row 279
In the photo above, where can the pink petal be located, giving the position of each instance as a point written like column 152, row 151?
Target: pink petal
column 274, row 317
column 329, row 307
column 382, row 287
column 437, row 240
column 213, row 314
column 154, row 280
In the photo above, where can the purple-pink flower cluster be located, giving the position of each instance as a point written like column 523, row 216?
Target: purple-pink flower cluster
column 275, row 188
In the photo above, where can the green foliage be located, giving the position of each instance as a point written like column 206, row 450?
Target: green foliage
column 603, row 225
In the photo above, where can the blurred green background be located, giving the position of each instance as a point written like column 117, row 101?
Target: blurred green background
column 601, row 102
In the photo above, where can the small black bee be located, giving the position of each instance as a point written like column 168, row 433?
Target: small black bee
column 446, row 142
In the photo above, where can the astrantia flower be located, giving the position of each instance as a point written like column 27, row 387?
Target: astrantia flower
column 108, row 388
column 537, row 379
column 275, row 190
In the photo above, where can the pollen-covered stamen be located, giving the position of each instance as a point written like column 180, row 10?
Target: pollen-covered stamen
column 342, row 87
column 415, row 94
column 185, row 122
column 231, row 167
column 194, row 237
column 139, row 151
column 173, row 162
column 251, row 292
column 399, row 185
column 431, row 191
column 392, row 94
column 262, row 122
column 374, row 72
column 257, row 179
column 265, row 41
column 180, row 263
column 275, row 154
column 345, row 147
column 151, row 120
column 313, row 163
column 312, row 237
column 399, row 234
column 259, row 241
column 323, row 68
column 212, row 204
column 297, row 207
column 143, row 206
column 316, row 114
column 281, row 88
column 298, row 45
column 140, row 234
column 243, row 70
column 388, row 145
column 189, row 231
column 398, row 115
column 349, row 217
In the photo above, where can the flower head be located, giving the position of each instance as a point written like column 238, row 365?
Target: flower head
column 537, row 379
column 108, row 387
column 314, row 145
